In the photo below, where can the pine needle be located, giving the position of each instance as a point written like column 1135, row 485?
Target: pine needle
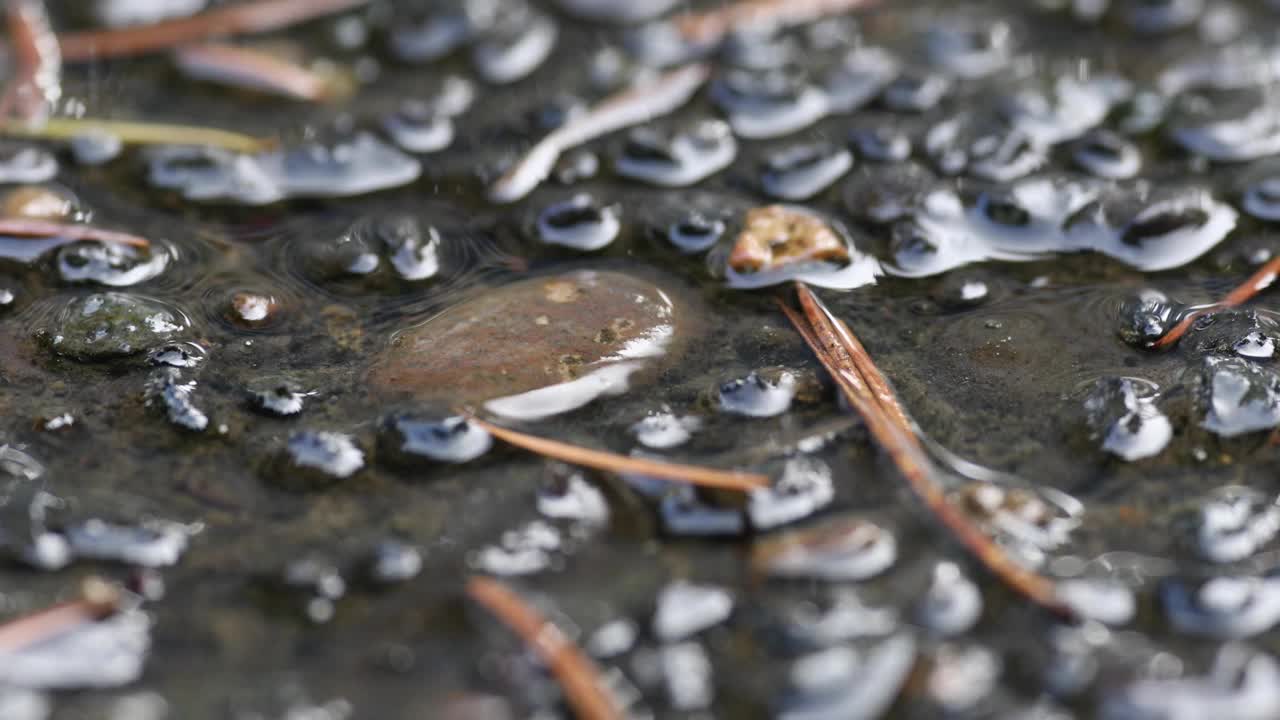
column 135, row 133
column 613, row 463
column 45, row 229
column 577, row 674
column 257, row 16
column 823, row 335
column 98, row 601
column 1264, row 278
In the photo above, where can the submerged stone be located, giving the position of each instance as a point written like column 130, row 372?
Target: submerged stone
column 112, row 325
column 534, row 348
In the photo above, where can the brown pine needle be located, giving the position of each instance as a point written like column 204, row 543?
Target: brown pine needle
column 256, row 16
column 245, row 67
column 44, row 229
column 38, row 75
column 903, row 448
column 610, row 462
column 1264, row 278
column 711, row 26
column 577, row 674
column 136, row 133
column 98, row 601
column 853, row 349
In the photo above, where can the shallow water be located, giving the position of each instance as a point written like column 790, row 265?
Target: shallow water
column 993, row 355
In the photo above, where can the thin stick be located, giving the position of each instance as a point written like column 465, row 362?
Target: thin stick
column 710, row 27
column 632, row 106
column 257, row 16
column 44, row 229
column 577, row 674
column 609, row 462
column 860, row 358
column 919, row 472
column 254, row 69
column 99, row 601
column 1244, row 292
column 38, row 77
column 136, row 133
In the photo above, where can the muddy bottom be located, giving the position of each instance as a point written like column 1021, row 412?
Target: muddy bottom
column 1015, row 200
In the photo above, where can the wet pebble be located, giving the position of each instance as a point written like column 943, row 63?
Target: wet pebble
column 1223, row 607
column 96, row 147
column 419, row 126
column 614, row 638
column 515, row 45
column 851, row 690
column 804, row 488
column 1240, row 396
column 1234, row 523
column 350, row 166
column 915, row 91
column 111, row 264
column 881, row 143
column 665, row 430
column 1108, row 155
column 566, row 494
column 677, row 159
column 1122, row 413
column 1104, row 600
column 685, row 609
column 779, row 243
column 250, row 309
column 21, row 164
column 952, row 604
column 961, row 677
column 167, row 389
column 277, row 398
column 799, row 172
column 1029, row 521
column 394, row 561
column 579, row 223
column 540, row 346
column 840, row 549
column 112, row 325
column 523, row 551
column 313, row 459
column 686, row 670
column 154, row 544
column 768, row 103
column 1262, row 199
column 1243, row 683
column 758, row 397
column 417, row 438
column 684, row 514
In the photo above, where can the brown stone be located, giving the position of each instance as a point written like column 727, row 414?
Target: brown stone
column 526, row 336
column 776, row 235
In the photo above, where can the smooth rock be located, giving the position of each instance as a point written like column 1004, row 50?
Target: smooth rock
column 536, row 347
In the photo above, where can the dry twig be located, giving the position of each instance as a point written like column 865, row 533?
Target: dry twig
column 831, row 342
column 1244, row 292
column 609, row 462
column 577, row 674
column 256, row 16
